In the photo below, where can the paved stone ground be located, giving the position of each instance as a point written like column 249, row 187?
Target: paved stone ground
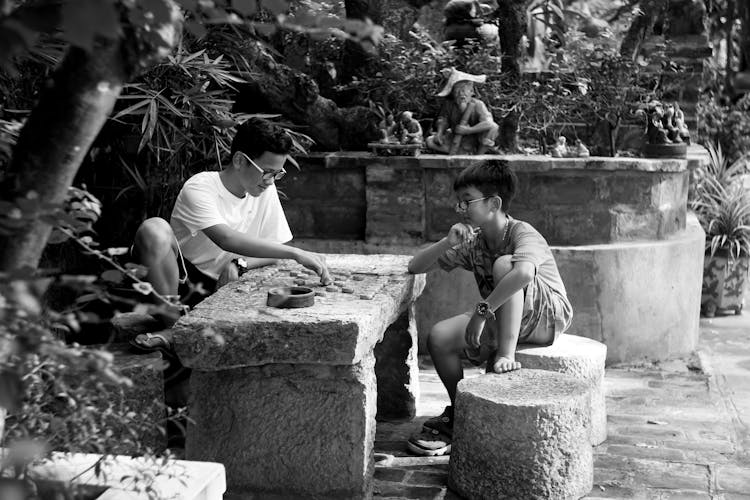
column 677, row 429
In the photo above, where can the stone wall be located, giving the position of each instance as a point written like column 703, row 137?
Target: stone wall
column 407, row 200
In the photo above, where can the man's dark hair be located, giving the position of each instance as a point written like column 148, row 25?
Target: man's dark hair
column 491, row 177
column 256, row 136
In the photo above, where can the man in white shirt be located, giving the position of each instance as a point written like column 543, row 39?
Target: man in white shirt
column 218, row 218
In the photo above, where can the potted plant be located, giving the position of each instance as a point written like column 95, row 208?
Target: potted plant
column 722, row 205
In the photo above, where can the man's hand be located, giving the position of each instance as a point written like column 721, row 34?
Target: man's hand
column 474, row 331
column 460, row 233
column 317, row 263
column 462, row 130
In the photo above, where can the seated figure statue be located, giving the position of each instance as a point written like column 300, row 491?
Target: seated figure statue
column 464, row 125
column 408, row 130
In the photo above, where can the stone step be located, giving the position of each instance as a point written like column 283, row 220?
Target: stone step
column 580, row 357
column 126, row 326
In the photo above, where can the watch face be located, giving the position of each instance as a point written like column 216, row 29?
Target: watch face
column 482, row 309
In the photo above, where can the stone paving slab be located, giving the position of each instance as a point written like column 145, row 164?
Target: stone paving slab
column 676, row 430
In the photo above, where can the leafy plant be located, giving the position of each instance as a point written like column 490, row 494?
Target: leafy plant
column 722, row 204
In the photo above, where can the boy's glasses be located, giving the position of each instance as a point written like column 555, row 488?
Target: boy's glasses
column 463, row 206
column 268, row 175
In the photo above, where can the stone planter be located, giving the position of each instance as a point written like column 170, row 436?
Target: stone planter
column 724, row 282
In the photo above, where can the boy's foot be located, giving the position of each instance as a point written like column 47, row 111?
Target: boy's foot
column 429, row 444
column 503, row 364
column 435, row 437
column 443, row 423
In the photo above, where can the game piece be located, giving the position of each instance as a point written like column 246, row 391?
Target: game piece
column 358, row 277
column 299, row 282
column 367, row 296
column 347, row 289
column 312, row 282
column 338, row 283
column 332, row 289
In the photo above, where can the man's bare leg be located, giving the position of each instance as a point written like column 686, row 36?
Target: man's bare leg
column 155, row 248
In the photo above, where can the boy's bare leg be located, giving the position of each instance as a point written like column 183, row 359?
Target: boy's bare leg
column 508, row 322
column 445, row 343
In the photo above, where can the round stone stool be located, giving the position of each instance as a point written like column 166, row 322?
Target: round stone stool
column 522, row 435
column 580, row 357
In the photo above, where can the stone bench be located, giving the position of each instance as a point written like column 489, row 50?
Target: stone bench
column 580, row 357
column 523, row 434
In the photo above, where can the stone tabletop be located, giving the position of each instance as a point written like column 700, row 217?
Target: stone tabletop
column 234, row 327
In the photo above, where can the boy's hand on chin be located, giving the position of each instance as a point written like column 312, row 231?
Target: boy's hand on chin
column 474, row 330
column 460, row 233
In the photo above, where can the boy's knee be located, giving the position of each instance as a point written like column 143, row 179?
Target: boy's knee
column 501, row 267
column 153, row 235
column 437, row 339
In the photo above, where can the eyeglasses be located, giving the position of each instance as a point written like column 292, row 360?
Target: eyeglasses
column 268, row 175
column 463, row 206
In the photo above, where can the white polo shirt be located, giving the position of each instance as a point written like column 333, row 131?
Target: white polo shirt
column 204, row 201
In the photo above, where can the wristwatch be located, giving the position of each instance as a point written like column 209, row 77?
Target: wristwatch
column 241, row 264
column 484, row 310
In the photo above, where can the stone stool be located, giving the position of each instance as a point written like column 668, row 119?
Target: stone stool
column 580, row 357
column 524, row 435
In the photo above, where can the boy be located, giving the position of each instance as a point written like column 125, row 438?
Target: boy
column 219, row 220
column 524, row 299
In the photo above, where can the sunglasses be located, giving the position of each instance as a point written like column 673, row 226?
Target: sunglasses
column 268, row 175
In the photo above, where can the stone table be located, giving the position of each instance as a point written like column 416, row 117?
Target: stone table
column 286, row 399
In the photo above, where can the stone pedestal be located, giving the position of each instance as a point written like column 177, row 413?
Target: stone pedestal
column 397, row 370
column 522, row 434
column 581, row 358
column 304, row 430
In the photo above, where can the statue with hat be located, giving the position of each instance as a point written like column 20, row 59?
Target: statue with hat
column 464, row 125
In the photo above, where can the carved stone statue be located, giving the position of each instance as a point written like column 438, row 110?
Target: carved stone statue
column 581, row 150
column 655, row 132
column 560, row 149
column 464, row 125
column 665, row 131
column 408, row 130
column 667, row 122
column 679, row 123
column 386, row 127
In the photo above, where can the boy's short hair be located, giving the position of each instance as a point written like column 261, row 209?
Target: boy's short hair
column 491, row 177
column 255, row 136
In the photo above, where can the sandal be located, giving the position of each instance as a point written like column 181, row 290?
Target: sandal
column 443, row 423
column 151, row 342
column 430, row 443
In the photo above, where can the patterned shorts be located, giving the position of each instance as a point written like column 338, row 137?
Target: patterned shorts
column 546, row 314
